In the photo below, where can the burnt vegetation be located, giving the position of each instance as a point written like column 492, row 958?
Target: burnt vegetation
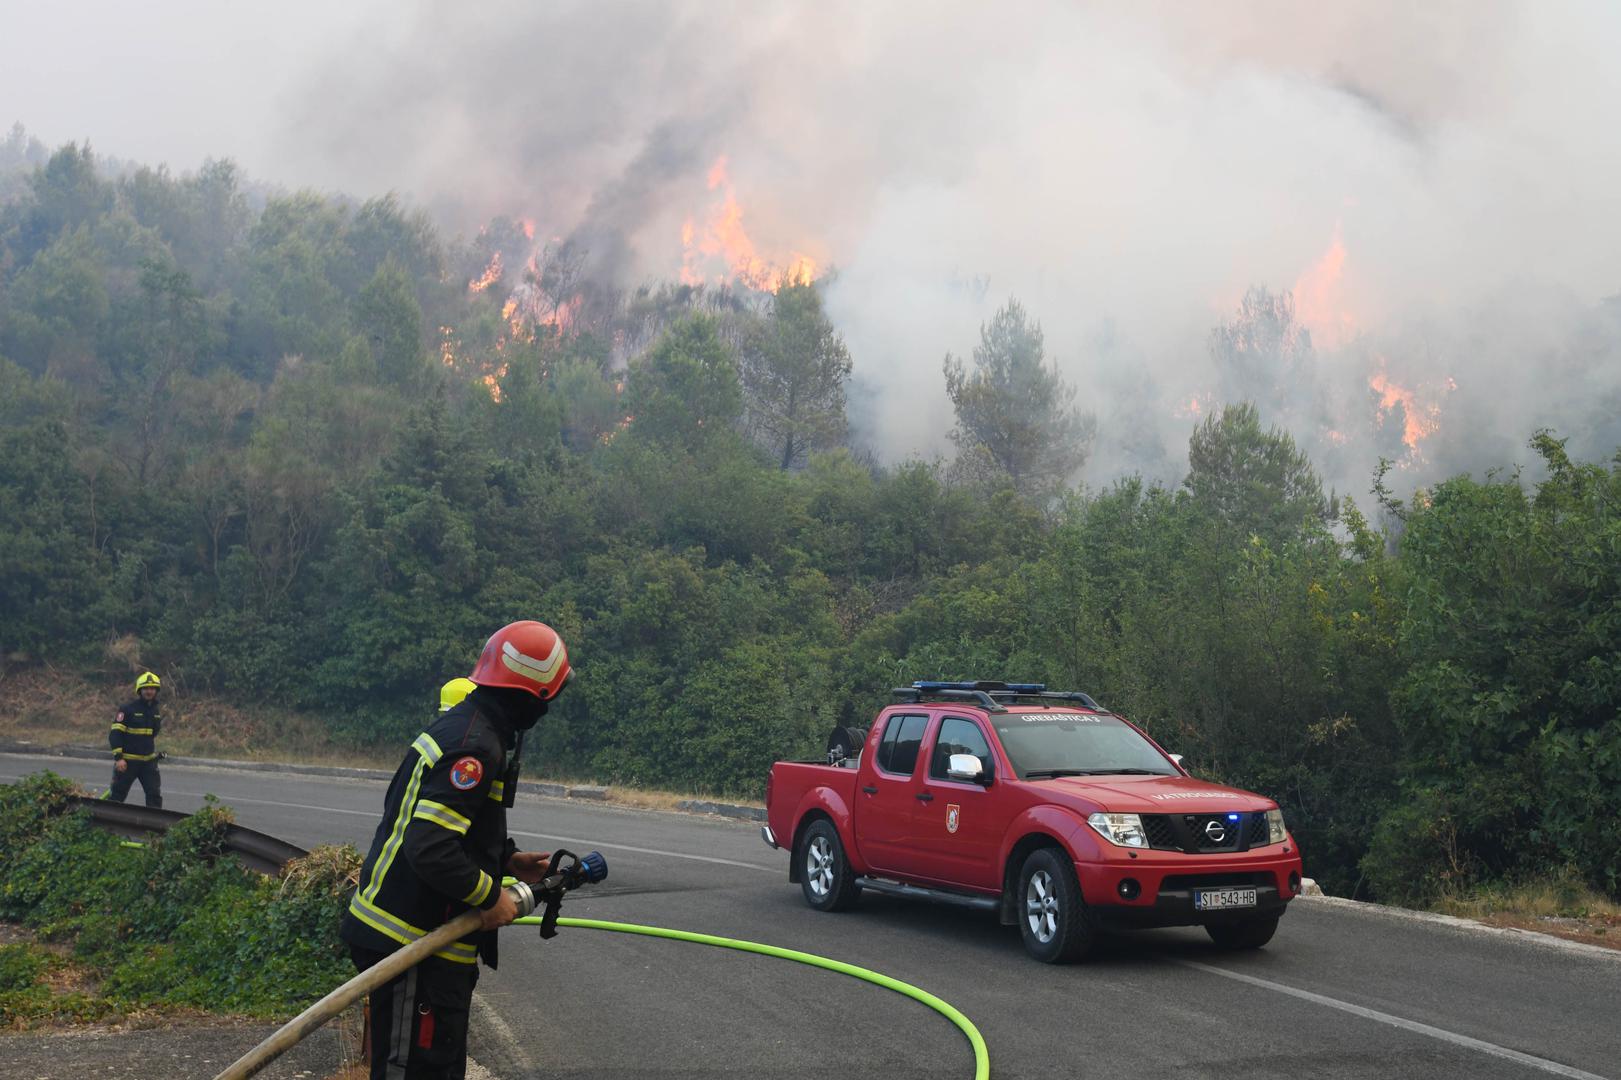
column 307, row 450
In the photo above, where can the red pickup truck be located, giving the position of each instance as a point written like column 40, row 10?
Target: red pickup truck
column 1042, row 806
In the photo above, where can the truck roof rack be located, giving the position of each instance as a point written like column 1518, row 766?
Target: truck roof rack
column 991, row 696
column 913, row 694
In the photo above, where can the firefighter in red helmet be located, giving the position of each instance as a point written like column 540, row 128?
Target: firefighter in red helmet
column 442, row 848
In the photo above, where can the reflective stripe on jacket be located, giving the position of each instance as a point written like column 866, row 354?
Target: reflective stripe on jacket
column 442, row 842
column 135, row 729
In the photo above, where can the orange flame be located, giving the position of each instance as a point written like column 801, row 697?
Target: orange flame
column 1420, row 420
column 608, row 436
column 725, row 241
column 492, row 274
column 528, row 309
column 492, row 382
column 1319, row 300
column 491, row 378
column 1195, row 407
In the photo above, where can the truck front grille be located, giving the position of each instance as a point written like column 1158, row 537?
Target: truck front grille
column 1160, row 833
column 1190, row 833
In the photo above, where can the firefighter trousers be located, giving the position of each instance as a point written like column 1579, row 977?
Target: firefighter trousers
column 419, row 1019
column 144, row 771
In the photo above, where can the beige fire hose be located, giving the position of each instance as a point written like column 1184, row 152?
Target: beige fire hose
column 312, row 1018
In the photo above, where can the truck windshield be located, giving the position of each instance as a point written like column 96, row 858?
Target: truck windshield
column 1069, row 744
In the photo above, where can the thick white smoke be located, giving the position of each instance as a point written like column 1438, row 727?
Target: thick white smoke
column 1125, row 171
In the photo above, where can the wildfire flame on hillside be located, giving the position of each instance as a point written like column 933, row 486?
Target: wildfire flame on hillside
column 492, row 382
column 1421, row 418
column 1196, row 406
column 1319, row 298
column 722, row 250
column 491, row 274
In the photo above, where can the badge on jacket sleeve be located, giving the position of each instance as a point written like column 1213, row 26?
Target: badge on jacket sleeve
column 466, row 773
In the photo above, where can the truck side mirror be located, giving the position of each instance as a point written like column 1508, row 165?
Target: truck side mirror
column 1178, row 759
column 966, row 767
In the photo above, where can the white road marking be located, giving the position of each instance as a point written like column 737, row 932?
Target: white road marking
column 1400, row 1022
column 574, row 840
column 504, row 1035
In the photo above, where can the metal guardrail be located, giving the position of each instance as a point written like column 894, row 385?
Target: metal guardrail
column 257, row 851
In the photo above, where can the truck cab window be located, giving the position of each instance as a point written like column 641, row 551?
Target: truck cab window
column 903, row 738
column 959, row 736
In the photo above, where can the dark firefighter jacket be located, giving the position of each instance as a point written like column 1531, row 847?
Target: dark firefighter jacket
column 135, row 731
column 442, row 843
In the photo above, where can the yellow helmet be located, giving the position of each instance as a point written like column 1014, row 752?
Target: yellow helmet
column 451, row 694
column 145, row 679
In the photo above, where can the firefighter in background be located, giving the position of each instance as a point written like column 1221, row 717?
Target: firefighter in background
column 134, row 738
column 442, row 848
column 452, row 693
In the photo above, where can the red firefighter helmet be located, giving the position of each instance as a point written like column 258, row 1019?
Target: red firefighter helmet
column 526, row 656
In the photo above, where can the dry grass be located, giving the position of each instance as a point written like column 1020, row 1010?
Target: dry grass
column 645, row 800
column 56, row 708
column 1562, row 905
column 651, row 799
column 331, row 868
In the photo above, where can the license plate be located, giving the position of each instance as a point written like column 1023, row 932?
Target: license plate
column 1222, row 899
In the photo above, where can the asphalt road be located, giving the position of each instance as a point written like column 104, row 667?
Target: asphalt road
column 1340, row 991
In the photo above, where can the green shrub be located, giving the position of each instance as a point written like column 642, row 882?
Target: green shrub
column 1415, row 855
column 24, row 995
column 176, row 921
column 20, row 967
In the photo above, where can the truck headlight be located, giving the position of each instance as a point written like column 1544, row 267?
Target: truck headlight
column 1123, row 830
column 1275, row 832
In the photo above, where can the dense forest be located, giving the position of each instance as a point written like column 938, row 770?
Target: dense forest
column 293, row 448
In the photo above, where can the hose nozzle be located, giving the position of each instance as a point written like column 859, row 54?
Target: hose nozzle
column 569, row 871
column 594, row 867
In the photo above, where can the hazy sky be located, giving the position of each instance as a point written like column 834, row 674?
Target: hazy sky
column 1438, row 182
column 168, row 82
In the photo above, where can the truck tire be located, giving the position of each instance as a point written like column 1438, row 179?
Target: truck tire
column 1248, row 934
column 1054, row 921
column 824, row 873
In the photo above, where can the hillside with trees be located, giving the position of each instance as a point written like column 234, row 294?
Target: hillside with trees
column 293, row 448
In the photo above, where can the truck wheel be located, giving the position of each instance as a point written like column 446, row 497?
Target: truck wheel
column 1248, row 934
column 1054, row 921
column 825, row 874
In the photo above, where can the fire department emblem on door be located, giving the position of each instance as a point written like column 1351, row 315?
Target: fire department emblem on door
column 953, row 814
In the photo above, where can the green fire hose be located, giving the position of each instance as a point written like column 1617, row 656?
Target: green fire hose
column 982, row 1061
column 548, row 894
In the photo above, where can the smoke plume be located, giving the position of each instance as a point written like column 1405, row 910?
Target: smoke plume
column 1432, row 184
